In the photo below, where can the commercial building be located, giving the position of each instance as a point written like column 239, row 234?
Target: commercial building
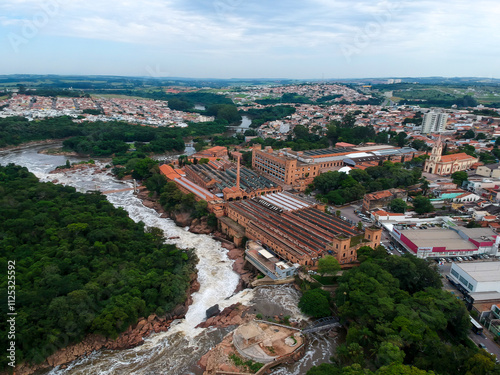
column 223, row 179
column 452, row 242
column 434, row 122
column 214, row 203
column 489, row 170
column 477, row 277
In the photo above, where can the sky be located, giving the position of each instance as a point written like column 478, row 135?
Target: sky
column 306, row 39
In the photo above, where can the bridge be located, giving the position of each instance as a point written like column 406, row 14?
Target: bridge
column 321, row 324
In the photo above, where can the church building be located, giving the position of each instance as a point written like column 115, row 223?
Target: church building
column 444, row 165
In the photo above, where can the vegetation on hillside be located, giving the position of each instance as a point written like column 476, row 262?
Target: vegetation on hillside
column 400, row 321
column 100, row 139
column 82, row 266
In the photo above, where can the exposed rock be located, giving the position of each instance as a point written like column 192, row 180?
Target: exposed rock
column 200, row 226
column 217, row 359
column 74, row 167
column 232, row 315
column 213, row 311
column 182, row 219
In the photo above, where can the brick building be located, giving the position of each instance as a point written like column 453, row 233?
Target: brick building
column 296, row 231
column 297, row 169
column 381, row 199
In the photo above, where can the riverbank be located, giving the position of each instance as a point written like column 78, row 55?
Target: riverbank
column 199, row 226
column 32, row 143
column 59, row 152
column 132, row 337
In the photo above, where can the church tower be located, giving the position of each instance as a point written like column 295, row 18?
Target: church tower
column 437, row 150
column 435, row 157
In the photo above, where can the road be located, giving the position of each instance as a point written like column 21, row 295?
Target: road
column 349, row 213
column 486, row 338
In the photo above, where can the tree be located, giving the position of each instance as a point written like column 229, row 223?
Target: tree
column 424, row 185
column 459, row 177
column 469, row 134
column 198, row 146
column 328, row 265
column 301, row 132
column 401, row 139
column 315, row 302
column 348, row 121
column 422, row 205
column 144, row 168
column 398, row 205
column 480, row 136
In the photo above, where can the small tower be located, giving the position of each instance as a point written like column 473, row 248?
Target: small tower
column 238, row 156
column 437, row 150
column 341, row 245
column 435, row 157
column 374, row 235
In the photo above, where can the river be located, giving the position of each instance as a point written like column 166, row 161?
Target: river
column 244, row 125
column 177, row 351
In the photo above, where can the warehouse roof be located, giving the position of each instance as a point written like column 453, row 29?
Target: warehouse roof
column 437, row 238
column 482, row 271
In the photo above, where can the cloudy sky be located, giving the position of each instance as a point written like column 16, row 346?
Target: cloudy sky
column 251, row 38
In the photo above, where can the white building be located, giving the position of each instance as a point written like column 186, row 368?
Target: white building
column 434, row 122
column 477, row 277
column 452, row 242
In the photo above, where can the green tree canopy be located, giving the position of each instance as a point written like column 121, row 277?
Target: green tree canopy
column 315, row 302
column 398, row 205
column 422, row 205
column 459, row 177
column 328, row 265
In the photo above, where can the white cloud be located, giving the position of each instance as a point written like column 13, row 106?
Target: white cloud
column 414, row 32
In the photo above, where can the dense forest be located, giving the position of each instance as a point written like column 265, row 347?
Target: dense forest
column 400, row 321
column 260, row 116
column 103, row 138
column 82, row 265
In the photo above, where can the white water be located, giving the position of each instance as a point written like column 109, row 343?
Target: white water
column 177, row 351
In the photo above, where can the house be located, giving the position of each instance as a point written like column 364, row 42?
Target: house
column 489, row 170
column 381, row 199
column 466, row 197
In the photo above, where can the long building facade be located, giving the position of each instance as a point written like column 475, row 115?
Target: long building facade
column 298, row 232
column 297, row 169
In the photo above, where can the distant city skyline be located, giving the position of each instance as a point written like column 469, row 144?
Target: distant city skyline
column 309, row 39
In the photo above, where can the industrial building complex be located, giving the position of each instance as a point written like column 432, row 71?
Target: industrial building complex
column 297, row 169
